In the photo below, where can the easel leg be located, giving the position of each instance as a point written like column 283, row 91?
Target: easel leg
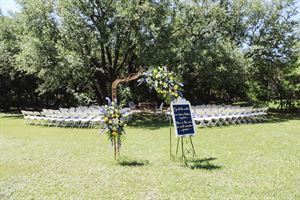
column 194, row 153
column 182, row 150
column 177, row 145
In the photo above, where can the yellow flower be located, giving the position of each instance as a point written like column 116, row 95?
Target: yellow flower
column 117, row 116
column 155, row 71
column 176, row 87
column 114, row 133
column 110, row 121
column 105, row 119
column 176, row 95
column 157, row 76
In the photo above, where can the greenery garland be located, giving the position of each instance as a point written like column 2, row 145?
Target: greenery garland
column 164, row 82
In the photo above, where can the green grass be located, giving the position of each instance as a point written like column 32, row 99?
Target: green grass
column 257, row 161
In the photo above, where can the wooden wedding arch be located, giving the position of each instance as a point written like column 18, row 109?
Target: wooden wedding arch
column 114, row 91
column 130, row 77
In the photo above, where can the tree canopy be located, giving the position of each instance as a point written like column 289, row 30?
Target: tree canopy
column 226, row 51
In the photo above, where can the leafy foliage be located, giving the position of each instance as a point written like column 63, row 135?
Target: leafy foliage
column 163, row 81
column 225, row 51
column 14, row 88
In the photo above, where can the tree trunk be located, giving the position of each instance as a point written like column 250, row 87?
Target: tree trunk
column 101, row 83
column 98, row 93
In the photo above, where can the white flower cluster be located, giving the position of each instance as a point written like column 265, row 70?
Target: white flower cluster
column 163, row 81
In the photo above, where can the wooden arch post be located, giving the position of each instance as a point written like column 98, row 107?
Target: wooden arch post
column 114, row 85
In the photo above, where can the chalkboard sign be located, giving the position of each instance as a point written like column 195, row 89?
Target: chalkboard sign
column 182, row 118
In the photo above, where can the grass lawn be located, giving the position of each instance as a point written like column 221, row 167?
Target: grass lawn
column 257, row 161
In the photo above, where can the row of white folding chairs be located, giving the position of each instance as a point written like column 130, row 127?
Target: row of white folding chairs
column 79, row 118
column 82, row 109
column 62, row 111
column 57, row 118
column 213, row 106
column 70, row 119
column 228, row 115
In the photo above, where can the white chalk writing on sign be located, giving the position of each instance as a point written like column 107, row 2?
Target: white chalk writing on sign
column 183, row 119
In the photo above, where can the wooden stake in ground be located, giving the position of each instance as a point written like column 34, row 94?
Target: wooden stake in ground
column 115, row 148
column 170, row 125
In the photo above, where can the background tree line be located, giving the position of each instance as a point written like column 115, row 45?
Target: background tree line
column 64, row 52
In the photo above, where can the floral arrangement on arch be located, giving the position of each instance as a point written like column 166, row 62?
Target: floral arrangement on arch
column 163, row 81
column 114, row 123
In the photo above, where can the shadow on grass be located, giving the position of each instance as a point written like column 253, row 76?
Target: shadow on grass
column 269, row 119
column 12, row 116
column 152, row 122
column 149, row 121
column 132, row 163
column 280, row 117
column 202, row 164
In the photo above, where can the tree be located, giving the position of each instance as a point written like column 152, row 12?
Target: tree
column 225, row 50
column 213, row 66
column 86, row 45
column 272, row 40
column 16, row 88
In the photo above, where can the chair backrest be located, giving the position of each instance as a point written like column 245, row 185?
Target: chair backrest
column 161, row 106
column 63, row 110
column 35, row 113
column 131, row 105
column 30, row 113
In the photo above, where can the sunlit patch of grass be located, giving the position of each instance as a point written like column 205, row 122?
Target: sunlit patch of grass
column 256, row 161
column 10, row 169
